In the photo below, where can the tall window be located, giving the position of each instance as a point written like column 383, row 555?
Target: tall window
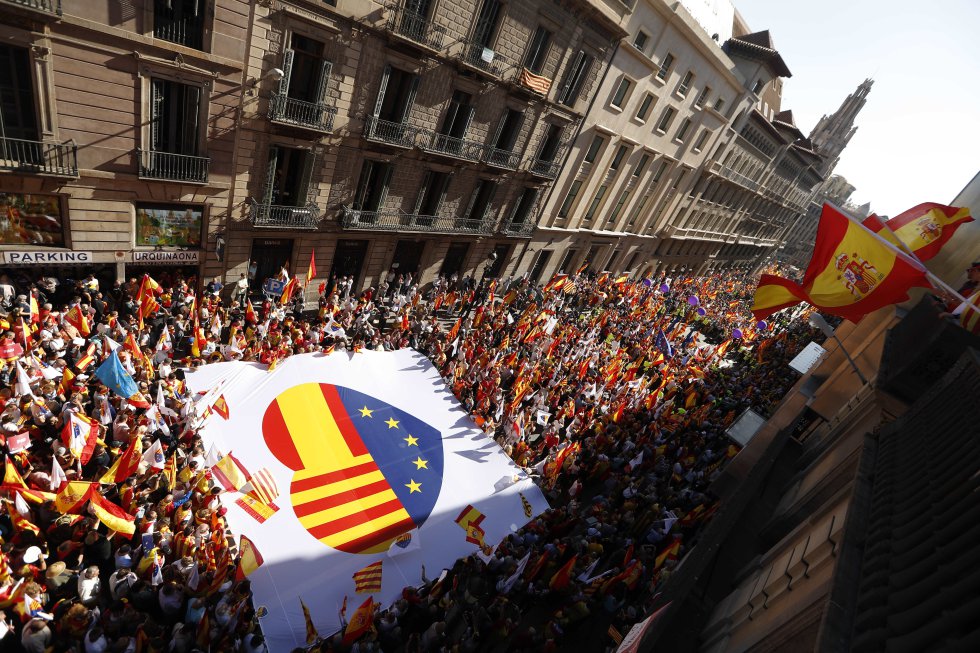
column 396, row 95
column 683, row 129
column 637, row 208
column 640, row 40
column 289, row 178
column 566, row 205
column 566, row 261
column 644, row 108
column 685, row 84
column 456, row 123
column 18, row 117
column 480, row 201
column 549, row 147
column 665, row 66
column 174, row 117
column 510, row 128
column 702, row 139
column 303, row 87
column 180, row 21
column 522, row 210
column 431, row 196
column 641, row 165
column 372, row 186
column 625, row 195
column 618, row 157
column 575, row 78
column 594, row 148
column 596, row 201
column 537, row 53
column 622, row 92
column 486, row 23
column 666, row 119
column 703, row 97
column 659, row 173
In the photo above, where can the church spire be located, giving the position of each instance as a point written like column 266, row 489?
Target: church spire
column 833, row 132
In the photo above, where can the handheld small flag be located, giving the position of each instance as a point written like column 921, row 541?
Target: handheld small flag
column 368, row 580
column 117, row 379
column 311, row 634
column 311, row 271
column 563, row 576
column 114, row 517
column 469, row 520
column 221, row 407
column 360, row 621
column 249, row 558
column 80, row 435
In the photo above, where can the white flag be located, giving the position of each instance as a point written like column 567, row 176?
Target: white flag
column 669, row 521
column 542, row 417
column 636, row 462
column 21, row 505
column 512, row 580
column 58, row 475
column 113, row 345
column 404, row 543
column 23, row 385
column 585, row 575
column 154, row 456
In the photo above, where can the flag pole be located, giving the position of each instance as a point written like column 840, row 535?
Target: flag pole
column 909, row 257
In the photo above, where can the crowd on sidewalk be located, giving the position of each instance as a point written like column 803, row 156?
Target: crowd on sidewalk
column 615, row 393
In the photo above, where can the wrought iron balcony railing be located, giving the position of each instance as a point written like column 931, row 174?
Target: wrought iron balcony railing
column 459, row 148
column 175, row 27
column 290, row 111
column 398, row 221
column 519, row 229
column 52, row 7
column 285, row 217
column 501, row 158
column 173, row 167
column 34, row 156
column 393, row 133
column 543, row 168
column 483, row 58
column 415, row 27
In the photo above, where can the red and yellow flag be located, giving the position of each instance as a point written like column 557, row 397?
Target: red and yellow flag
column 851, row 273
column 923, row 229
column 77, row 319
column 311, row 271
column 360, row 622
column 72, row 497
column 249, row 558
column 250, row 315
column 469, row 520
column 114, row 517
column 221, row 407
column 563, row 576
column 311, row 634
column 287, row 291
column 126, row 464
column 368, row 580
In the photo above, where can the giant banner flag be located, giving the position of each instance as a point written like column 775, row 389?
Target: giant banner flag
column 359, row 449
column 851, row 273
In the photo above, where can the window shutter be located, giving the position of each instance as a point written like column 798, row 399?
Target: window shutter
column 424, row 188
column 287, row 69
column 388, row 168
column 411, row 98
column 190, row 129
column 324, row 82
column 571, row 76
column 270, row 175
column 308, row 179
column 470, row 111
column 156, row 113
column 381, row 90
column 469, row 205
column 442, row 193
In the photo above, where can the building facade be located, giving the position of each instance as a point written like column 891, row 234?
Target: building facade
column 413, row 138
column 685, row 160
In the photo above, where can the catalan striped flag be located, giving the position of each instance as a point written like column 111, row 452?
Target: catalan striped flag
column 311, row 634
column 262, row 486
column 368, row 580
column 536, row 83
column 365, row 471
column 469, row 520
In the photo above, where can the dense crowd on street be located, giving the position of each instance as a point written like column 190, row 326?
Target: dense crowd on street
column 613, row 393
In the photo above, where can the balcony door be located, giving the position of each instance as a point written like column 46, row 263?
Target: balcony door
column 175, row 114
column 396, row 95
column 18, row 117
column 372, row 188
column 289, row 177
column 434, row 187
column 486, row 24
column 549, row 147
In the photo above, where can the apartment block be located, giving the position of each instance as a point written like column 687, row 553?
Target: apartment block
column 117, row 134
column 416, row 137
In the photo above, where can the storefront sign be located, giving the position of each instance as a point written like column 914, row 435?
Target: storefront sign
column 171, row 257
column 58, row 258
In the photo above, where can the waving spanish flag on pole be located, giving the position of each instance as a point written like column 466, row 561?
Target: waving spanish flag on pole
column 852, row 272
column 923, row 229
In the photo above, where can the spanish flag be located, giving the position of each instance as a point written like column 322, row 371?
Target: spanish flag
column 114, row 517
column 563, row 576
column 126, row 464
column 669, row 553
column 287, row 291
column 923, row 229
column 77, row 319
column 249, row 558
column 250, row 315
column 72, row 497
column 851, row 273
column 360, row 621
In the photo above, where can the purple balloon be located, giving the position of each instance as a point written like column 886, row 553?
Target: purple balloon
column 761, row 326
column 736, row 333
column 693, row 300
column 664, row 287
column 647, row 283
column 702, row 312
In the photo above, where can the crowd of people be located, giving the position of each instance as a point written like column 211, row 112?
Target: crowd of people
column 614, row 393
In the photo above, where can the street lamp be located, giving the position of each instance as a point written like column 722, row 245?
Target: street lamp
column 818, row 322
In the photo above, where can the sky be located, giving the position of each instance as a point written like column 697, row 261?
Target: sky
column 918, row 137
